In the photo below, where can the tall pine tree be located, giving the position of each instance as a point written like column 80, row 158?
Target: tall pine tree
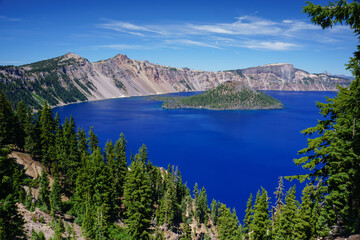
column 248, row 217
column 260, row 225
column 137, row 199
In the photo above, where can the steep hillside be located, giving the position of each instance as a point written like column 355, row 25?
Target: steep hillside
column 71, row 78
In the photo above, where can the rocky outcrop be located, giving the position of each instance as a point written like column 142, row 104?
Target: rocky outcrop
column 71, row 78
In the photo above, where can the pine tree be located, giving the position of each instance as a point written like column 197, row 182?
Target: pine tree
column 287, row 219
column 55, row 195
column 32, row 135
column 279, row 204
column 82, row 189
column 33, row 139
column 121, row 163
column 47, row 135
column 248, row 217
column 239, row 232
column 109, row 154
column 304, row 215
column 227, row 226
column 7, row 121
column 196, row 202
column 168, row 207
column 103, row 191
column 111, row 165
column 22, row 115
column 203, row 206
column 93, row 140
column 82, row 141
column 11, row 222
column 214, row 211
column 72, row 154
column 44, row 192
column 59, row 165
column 142, row 155
column 261, row 222
column 137, row 199
column 88, row 216
column 93, row 197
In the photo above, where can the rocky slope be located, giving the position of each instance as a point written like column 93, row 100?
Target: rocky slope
column 284, row 77
column 71, row 78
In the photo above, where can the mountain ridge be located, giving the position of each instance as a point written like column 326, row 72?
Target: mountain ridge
column 71, row 78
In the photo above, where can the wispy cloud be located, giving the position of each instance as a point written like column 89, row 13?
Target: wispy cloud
column 127, row 27
column 190, row 43
column 268, row 45
column 122, row 46
column 244, row 32
column 247, row 25
column 9, row 19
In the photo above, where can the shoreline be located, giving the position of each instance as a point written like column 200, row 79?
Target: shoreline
column 227, row 109
column 157, row 94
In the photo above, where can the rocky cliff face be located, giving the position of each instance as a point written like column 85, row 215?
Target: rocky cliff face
column 283, row 76
column 71, row 78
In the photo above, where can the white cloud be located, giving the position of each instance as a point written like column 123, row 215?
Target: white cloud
column 287, row 21
column 268, row 45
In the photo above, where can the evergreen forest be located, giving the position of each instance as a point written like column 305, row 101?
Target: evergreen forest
column 115, row 194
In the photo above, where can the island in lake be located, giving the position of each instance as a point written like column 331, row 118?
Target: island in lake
column 230, row 95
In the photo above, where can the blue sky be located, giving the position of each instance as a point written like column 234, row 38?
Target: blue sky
column 199, row 34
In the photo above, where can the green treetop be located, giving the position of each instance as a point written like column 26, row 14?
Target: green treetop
column 261, row 223
column 137, row 199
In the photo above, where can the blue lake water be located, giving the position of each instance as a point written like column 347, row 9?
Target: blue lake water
column 231, row 153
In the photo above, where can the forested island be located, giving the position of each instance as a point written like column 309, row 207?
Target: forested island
column 230, row 95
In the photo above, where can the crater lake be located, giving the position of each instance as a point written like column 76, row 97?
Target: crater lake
column 231, row 153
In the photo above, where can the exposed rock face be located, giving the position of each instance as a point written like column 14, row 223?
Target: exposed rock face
column 284, row 77
column 71, row 78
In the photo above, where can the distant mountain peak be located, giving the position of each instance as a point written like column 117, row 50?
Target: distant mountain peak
column 327, row 73
column 70, row 55
column 121, row 56
column 277, row 64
